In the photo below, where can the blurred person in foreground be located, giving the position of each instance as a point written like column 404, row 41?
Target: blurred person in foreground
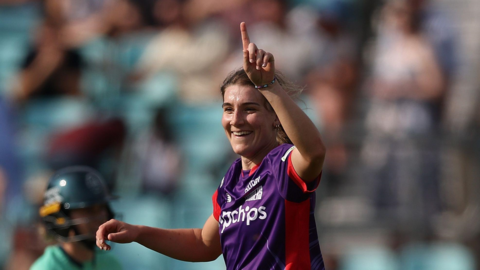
column 263, row 210
column 76, row 202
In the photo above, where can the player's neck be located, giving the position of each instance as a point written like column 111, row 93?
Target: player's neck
column 78, row 252
column 249, row 162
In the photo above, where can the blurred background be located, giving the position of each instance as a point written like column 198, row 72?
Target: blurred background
column 131, row 88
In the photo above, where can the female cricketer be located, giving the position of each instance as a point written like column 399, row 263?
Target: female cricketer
column 263, row 209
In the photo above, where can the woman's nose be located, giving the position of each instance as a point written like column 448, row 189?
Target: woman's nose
column 237, row 118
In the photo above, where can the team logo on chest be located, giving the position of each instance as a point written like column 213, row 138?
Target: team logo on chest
column 255, row 195
column 241, row 214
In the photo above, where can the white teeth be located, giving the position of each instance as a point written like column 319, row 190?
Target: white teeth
column 240, row 133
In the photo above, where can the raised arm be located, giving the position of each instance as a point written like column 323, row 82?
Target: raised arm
column 194, row 245
column 309, row 154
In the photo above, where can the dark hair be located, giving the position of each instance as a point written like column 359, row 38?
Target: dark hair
column 240, row 77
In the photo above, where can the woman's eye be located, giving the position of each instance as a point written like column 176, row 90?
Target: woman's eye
column 250, row 110
column 226, row 109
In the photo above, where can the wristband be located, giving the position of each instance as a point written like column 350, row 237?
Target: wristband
column 265, row 85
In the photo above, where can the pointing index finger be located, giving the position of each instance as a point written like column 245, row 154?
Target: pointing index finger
column 245, row 38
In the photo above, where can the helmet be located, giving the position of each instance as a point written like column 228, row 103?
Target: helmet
column 68, row 189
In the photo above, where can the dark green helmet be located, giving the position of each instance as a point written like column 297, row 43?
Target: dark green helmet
column 68, row 189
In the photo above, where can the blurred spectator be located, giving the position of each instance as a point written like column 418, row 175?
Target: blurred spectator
column 50, row 69
column 438, row 29
column 10, row 165
column 112, row 55
column 27, row 246
column 125, row 16
column 333, row 82
column 80, row 21
column 159, row 158
column 200, row 41
column 94, row 143
column 401, row 148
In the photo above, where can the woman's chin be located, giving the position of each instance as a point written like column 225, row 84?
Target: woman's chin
column 241, row 150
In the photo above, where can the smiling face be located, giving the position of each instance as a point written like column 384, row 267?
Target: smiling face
column 248, row 124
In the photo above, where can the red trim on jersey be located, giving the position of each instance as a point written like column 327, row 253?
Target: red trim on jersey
column 296, row 178
column 254, row 168
column 216, row 208
column 297, row 243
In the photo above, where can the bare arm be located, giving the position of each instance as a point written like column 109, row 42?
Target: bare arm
column 42, row 67
column 309, row 154
column 195, row 245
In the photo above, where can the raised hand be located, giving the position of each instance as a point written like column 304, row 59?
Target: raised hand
column 116, row 231
column 257, row 63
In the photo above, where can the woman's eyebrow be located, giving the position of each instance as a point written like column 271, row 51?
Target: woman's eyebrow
column 250, row 103
column 243, row 104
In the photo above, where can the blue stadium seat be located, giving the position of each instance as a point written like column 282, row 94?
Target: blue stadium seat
column 369, row 258
column 437, row 256
column 450, row 256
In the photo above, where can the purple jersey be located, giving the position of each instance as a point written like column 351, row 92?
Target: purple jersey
column 266, row 216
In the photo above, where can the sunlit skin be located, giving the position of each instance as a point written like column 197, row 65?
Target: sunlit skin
column 245, row 110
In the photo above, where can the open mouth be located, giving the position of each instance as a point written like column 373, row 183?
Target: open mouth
column 241, row 133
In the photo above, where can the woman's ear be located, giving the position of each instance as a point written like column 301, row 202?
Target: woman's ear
column 276, row 122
